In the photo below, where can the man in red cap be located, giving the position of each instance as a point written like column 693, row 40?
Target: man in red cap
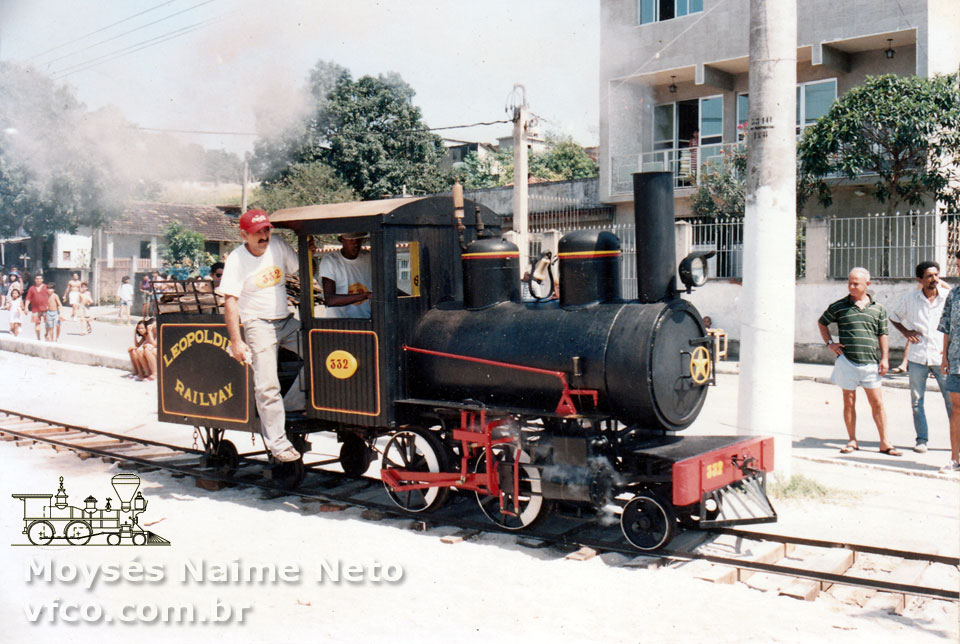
column 253, row 283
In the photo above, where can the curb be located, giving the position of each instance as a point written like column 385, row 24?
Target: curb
column 733, row 369
column 872, row 466
column 65, row 353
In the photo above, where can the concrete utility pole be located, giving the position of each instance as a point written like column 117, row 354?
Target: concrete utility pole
column 520, row 205
column 243, row 189
column 765, row 403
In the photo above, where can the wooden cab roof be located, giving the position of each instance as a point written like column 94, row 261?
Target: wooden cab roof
column 371, row 215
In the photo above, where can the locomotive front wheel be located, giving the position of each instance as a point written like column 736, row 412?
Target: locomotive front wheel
column 648, row 522
column 40, row 533
column 533, row 508
column 416, row 450
column 139, row 539
column 78, row 533
column 355, row 456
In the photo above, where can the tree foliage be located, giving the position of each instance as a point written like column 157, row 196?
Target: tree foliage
column 368, row 130
column 184, row 249
column 720, row 186
column 563, row 160
column 55, row 172
column 905, row 130
column 304, row 184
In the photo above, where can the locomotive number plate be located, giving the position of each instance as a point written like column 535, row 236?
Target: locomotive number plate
column 714, row 469
column 341, row 364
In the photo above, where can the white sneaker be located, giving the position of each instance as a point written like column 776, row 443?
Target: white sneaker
column 920, row 448
column 288, row 455
column 950, row 467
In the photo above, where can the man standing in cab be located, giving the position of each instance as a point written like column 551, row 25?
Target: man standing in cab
column 253, row 283
column 346, row 279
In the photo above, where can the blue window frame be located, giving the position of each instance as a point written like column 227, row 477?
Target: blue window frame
column 656, row 10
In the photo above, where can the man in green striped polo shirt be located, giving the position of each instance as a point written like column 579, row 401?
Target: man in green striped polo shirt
column 861, row 355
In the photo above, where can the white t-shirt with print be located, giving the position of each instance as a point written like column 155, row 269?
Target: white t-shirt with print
column 125, row 293
column 260, row 282
column 352, row 276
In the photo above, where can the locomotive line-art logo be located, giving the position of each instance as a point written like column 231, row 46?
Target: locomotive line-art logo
column 48, row 518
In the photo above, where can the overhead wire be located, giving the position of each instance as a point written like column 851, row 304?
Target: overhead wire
column 96, row 31
column 120, row 53
column 125, row 33
column 231, row 133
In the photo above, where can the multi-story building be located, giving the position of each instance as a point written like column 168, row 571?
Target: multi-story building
column 674, row 92
column 674, row 75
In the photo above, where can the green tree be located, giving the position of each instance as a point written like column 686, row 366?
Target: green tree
column 184, row 249
column 564, row 160
column 720, row 186
column 905, row 130
column 490, row 170
column 304, row 185
column 55, row 173
column 368, row 130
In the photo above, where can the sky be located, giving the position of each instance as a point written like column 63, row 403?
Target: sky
column 211, row 65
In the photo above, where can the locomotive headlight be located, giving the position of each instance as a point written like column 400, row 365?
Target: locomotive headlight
column 693, row 268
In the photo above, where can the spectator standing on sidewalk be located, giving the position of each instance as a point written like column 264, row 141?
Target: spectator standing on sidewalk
column 54, row 307
column 916, row 315
column 83, row 308
column 145, row 295
column 862, row 355
column 72, row 294
column 125, row 294
column 950, row 364
column 36, row 302
column 15, row 306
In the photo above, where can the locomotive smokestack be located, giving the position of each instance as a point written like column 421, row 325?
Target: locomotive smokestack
column 656, row 252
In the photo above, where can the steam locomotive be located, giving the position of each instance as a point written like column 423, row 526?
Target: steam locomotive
column 461, row 385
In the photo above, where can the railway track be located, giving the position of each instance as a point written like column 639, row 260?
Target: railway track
column 798, row 567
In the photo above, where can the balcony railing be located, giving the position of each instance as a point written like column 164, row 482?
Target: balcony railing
column 684, row 163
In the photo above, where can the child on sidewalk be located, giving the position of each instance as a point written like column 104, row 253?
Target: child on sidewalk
column 82, row 307
column 53, row 313
column 15, row 306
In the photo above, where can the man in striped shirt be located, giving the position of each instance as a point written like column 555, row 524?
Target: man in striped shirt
column 862, row 355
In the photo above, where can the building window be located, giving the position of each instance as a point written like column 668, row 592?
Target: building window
column 656, row 10
column 675, row 123
column 813, row 101
column 66, row 257
column 144, row 250
column 743, row 115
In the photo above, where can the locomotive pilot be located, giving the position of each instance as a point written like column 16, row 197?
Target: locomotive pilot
column 253, row 283
column 346, row 279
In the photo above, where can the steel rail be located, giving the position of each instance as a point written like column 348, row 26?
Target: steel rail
column 818, row 543
column 568, row 537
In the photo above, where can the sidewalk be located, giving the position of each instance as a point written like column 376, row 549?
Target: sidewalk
column 818, row 431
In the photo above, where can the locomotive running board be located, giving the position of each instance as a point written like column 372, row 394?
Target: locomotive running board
column 740, row 503
column 492, row 409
